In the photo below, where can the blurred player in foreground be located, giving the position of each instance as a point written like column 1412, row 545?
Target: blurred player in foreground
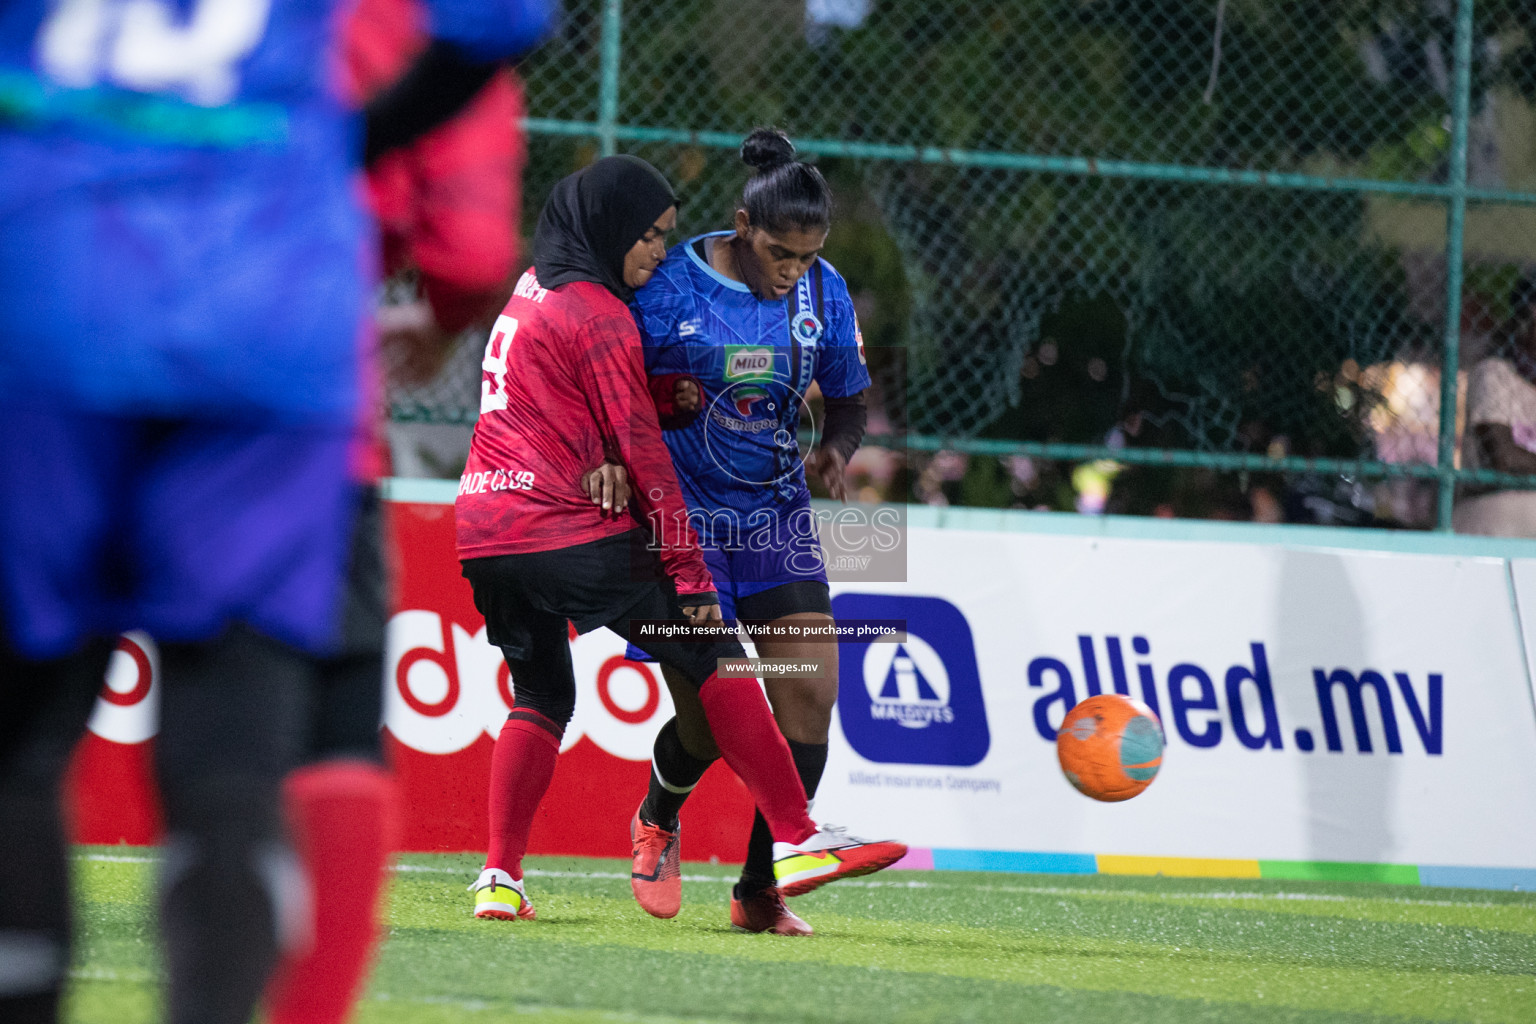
column 446, row 206
column 183, row 269
column 719, row 300
column 564, row 389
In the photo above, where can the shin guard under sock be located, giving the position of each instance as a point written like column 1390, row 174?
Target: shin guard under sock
column 521, row 769
column 757, row 872
column 232, row 896
column 225, row 854
column 674, row 773
column 750, row 741
column 341, row 815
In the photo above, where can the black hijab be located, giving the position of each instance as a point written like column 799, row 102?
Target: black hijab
column 594, row 217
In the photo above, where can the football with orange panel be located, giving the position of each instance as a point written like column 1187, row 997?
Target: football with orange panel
column 1110, row 747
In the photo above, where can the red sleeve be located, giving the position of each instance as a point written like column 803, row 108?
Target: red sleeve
column 466, row 203
column 664, row 395
column 614, row 380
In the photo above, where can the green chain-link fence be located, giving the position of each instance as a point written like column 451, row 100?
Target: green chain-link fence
column 1239, row 236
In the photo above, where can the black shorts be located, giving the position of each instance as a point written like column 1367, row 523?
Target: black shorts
column 790, row 599
column 607, row 582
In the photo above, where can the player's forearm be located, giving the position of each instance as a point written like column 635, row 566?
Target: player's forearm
column 846, row 419
column 615, row 379
column 656, row 490
column 433, row 89
column 470, row 41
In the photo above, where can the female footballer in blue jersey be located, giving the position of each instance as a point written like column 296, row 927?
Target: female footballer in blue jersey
column 738, row 326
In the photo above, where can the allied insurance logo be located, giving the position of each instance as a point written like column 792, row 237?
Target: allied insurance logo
column 910, row 687
column 914, row 702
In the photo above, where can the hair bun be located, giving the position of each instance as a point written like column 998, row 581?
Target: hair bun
column 767, row 148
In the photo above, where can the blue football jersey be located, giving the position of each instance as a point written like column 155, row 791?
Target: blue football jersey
column 180, row 223
column 756, row 360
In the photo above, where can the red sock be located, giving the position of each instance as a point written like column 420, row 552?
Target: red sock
column 750, row 741
column 521, row 768
column 340, row 813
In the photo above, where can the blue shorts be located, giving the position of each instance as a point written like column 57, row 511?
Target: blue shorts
column 770, row 553
column 177, row 527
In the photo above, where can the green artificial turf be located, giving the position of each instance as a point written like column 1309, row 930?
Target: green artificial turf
column 899, row 947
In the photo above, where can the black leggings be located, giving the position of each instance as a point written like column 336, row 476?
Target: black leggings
column 529, row 599
column 232, row 712
column 348, row 696
column 43, row 711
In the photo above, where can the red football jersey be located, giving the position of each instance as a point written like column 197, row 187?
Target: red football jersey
column 563, row 386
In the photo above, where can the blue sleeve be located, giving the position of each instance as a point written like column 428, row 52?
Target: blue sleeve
column 492, row 29
column 656, row 311
column 841, row 371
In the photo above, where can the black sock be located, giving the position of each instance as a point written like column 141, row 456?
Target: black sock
column 232, row 717
column 43, row 710
column 757, row 872
column 674, row 773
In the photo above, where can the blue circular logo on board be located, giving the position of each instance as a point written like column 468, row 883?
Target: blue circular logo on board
column 807, row 328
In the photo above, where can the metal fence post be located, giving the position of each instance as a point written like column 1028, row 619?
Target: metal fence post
column 1455, row 222
column 608, row 86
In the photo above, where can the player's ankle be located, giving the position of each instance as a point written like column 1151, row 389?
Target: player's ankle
column 749, row 887
column 648, row 816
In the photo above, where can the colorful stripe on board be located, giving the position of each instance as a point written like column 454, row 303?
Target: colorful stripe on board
column 1339, row 871
column 1521, row 879
column 1010, row 860
column 1177, row 867
column 1027, row 862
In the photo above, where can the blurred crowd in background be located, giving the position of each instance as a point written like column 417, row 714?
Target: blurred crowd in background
column 1013, row 304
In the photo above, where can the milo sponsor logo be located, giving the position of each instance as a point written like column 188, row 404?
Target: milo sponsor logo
column 744, row 362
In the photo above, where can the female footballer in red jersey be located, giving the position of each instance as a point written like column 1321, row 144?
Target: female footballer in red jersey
column 565, row 388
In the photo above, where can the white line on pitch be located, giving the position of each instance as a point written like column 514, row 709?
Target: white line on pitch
column 524, row 1008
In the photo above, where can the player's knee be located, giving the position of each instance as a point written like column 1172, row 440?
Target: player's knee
column 803, row 706
column 543, row 685
column 817, row 696
column 557, row 705
column 234, row 811
column 348, row 706
column 697, row 662
column 715, row 653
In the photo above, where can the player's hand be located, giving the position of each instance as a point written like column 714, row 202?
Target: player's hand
column 608, row 486
column 704, row 615
column 685, row 395
column 832, row 470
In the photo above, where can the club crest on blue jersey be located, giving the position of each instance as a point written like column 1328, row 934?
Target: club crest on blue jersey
column 807, row 328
